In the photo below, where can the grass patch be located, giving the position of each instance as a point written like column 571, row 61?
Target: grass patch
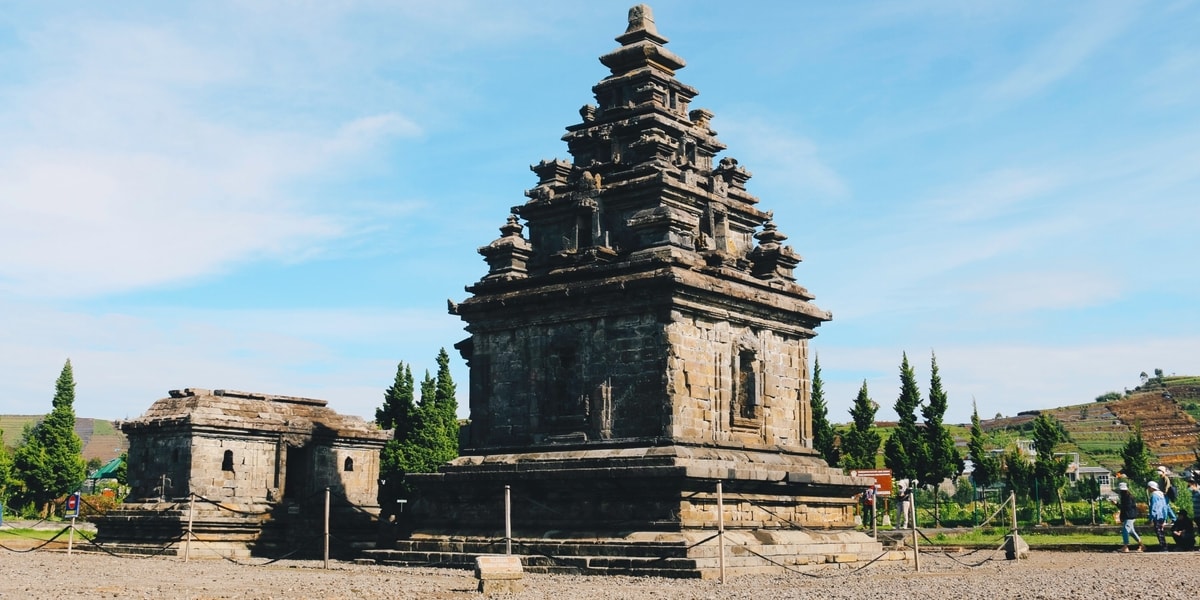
column 38, row 534
column 984, row 537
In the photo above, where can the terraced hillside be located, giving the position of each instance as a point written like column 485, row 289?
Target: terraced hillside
column 101, row 438
column 1098, row 430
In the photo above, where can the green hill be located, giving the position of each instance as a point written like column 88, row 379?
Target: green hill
column 101, row 438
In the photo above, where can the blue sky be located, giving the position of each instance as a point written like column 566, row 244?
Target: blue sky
column 280, row 197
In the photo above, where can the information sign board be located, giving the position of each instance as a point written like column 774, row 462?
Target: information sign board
column 882, row 477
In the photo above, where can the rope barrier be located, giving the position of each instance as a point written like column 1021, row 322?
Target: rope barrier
column 161, row 549
column 39, row 547
column 948, row 555
column 998, row 509
column 812, row 575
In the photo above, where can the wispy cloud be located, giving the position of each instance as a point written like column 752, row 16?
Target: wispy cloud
column 993, row 194
column 781, row 156
column 1064, row 51
column 1176, row 81
column 113, row 179
column 135, row 357
column 1023, row 292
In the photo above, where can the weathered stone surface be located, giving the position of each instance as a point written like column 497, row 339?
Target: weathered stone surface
column 250, row 459
column 498, row 566
column 644, row 341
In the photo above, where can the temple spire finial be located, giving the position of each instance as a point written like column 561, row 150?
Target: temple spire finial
column 641, row 46
column 641, row 27
column 641, row 17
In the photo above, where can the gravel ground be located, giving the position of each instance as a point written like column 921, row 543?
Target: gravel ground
column 1056, row 575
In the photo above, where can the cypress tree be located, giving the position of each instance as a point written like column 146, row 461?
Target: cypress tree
column 986, row 465
column 824, row 438
column 446, row 407
column 1136, row 457
column 1050, row 471
column 903, row 452
column 861, row 443
column 398, row 406
column 428, row 438
column 396, row 414
column 50, row 461
column 940, row 459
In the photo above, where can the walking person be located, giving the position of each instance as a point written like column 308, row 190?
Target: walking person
column 1160, row 511
column 1127, row 513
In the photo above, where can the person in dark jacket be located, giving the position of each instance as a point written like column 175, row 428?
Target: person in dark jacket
column 1183, row 533
column 1128, row 513
column 1194, row 490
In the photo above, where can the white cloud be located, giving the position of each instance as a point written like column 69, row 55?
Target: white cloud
column 1175, row 82
column 125, row 361
column 783, row 160
column 993, row 194
column 113, row 179
column 1022, row 292
column 1064, row 51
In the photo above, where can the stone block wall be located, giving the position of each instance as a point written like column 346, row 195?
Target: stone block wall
column 351, row 471
column 596, row 378
column 242, row 469
column 711, row 359
column 155, row 460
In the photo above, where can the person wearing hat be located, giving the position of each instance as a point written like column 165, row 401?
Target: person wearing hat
column 1164, row 483
column 1160, row 511
column 1127, row 514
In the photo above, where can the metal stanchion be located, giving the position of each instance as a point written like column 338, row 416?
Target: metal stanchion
column 875, row 519
column 326, row 528
column 507, row 519
column 187, row 542
column 916, row 551
column 721, row 531
column 1015, row 540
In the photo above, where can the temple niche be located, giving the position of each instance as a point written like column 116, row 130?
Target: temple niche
column 639, row 336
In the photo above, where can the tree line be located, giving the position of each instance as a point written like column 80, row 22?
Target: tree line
column 927, row 453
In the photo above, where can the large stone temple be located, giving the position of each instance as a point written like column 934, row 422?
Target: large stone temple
column 639, row 337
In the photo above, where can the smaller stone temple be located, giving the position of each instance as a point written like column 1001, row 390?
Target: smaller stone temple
column 258, row 466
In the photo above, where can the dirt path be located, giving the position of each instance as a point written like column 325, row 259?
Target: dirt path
column 1056, row 575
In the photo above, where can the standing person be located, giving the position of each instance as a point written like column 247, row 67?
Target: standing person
column 905, row 503
column 868, row 498
column 1160, row 511
column 1127, row 513
column 1164, row 483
